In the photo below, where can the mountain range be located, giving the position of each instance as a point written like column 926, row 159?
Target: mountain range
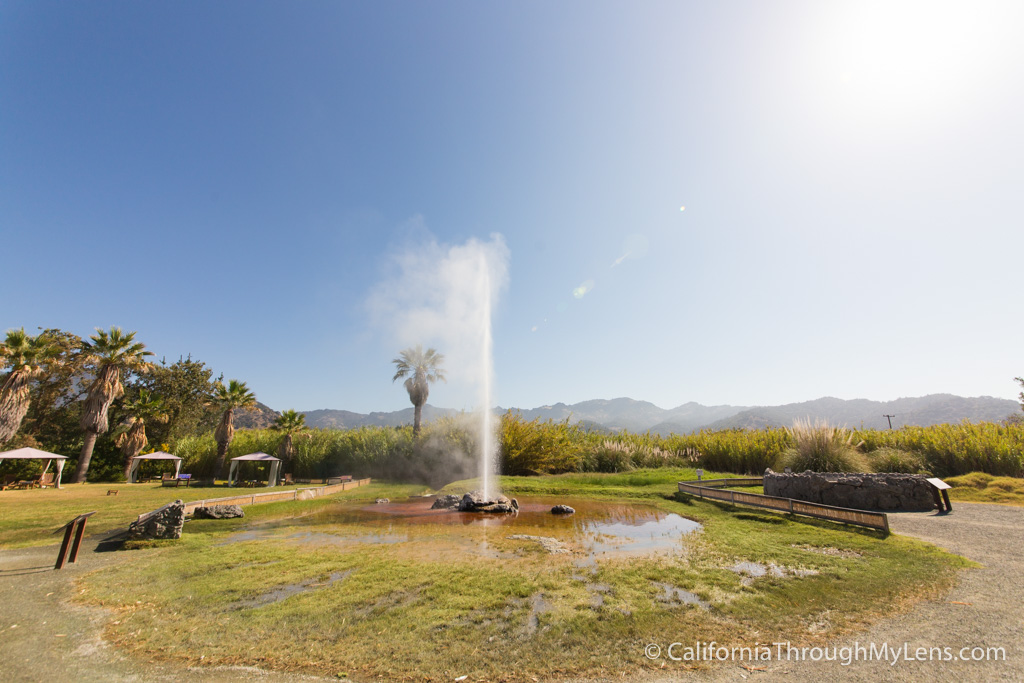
column 641, row 416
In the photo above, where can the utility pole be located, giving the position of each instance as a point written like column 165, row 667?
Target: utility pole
column 889, row 418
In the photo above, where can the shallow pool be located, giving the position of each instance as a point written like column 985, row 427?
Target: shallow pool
column 597, row 530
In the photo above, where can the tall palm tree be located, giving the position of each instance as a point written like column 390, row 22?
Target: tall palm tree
column 26, row 356
column 421, row 369
column 130, row 437
column 110, row 354
column 289, row 422
column 228, row 398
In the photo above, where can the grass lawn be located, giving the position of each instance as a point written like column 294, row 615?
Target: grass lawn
column 978, row 487
column 29, row 517
column 436, row 602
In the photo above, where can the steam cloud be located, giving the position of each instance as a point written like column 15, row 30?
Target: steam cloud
column 439, row 295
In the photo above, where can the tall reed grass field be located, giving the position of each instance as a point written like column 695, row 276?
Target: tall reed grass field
column 447, row 449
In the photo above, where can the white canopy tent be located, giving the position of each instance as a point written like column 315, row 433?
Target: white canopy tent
column 133, row 473
column 275, row 463
column 36, row 454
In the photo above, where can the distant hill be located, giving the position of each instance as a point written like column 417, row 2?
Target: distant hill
column 641, row 416
column 259, row 416
column 857, row 413
column 345, row 419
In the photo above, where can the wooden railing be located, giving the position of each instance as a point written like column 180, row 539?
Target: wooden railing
column 711, row 490
column 273, row 496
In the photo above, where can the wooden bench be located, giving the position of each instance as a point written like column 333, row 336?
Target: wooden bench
column 176, row 481
column 339, row 480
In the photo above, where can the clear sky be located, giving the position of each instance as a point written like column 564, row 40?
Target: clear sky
column 238, row 180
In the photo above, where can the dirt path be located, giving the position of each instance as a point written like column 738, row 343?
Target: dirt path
column 46, row 637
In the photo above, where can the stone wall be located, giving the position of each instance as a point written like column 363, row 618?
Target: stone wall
column 907, row 492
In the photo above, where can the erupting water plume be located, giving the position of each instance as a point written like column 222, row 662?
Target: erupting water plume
column 488, row 438
column 444, row 296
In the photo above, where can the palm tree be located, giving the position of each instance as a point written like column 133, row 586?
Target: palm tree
column 109, row 353
column 26, row 356
column 421, row 369
column 130, row 437
column 234, row 395
column 289, row 422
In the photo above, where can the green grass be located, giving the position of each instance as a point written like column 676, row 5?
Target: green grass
column 440, row 613
column 29, row 517
column 978, row 487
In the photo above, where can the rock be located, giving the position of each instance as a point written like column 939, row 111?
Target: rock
column 382, row 501
column 515, row 504
column 552, row 545
column 906, row 492
column 447, row 502
column 165, row 522
column 218, row 512
column 562, row 510
column 474, row 501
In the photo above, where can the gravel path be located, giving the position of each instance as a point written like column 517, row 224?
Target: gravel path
column 46, row 637
column 986, row 608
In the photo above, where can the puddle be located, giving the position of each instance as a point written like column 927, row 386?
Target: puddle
column 674, row 595
column 753, row 570
column 598, row 530
column 597, row 591
column 828, row 551
column 538, row 606
column 284, row 592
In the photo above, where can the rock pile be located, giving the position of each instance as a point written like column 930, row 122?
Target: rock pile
column 907, row 492
column 165, row 522
column 447, row 502
column 218, row 512
column 474, row 501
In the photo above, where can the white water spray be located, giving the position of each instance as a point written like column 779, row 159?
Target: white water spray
column 444, row 296
column 488, row 438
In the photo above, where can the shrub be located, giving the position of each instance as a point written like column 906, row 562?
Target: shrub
column 888, row 459
column 820, row 447
column 609, row 457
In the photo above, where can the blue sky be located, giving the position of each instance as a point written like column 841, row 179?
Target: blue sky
column 234, row 180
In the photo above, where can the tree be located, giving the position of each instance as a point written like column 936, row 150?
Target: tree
column 421, row 369
column 109, row 354
column 26, row 356
column 1020, row 380
column 57, row 396
column 130, row 436
column 234, row 395
column 186, row 388
column 289, row 422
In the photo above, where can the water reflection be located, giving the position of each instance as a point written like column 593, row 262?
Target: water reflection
column 597, row 530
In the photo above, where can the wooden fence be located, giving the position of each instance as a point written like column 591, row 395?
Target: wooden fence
column 710, row 489
column 274, row 496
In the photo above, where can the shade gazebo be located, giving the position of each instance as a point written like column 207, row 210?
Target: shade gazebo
column 36, row 454
column 133, row 473
column 274, row 463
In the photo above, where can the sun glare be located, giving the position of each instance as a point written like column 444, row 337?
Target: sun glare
column 907, row 58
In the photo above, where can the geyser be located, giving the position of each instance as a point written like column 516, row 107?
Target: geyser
column 488, row 438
